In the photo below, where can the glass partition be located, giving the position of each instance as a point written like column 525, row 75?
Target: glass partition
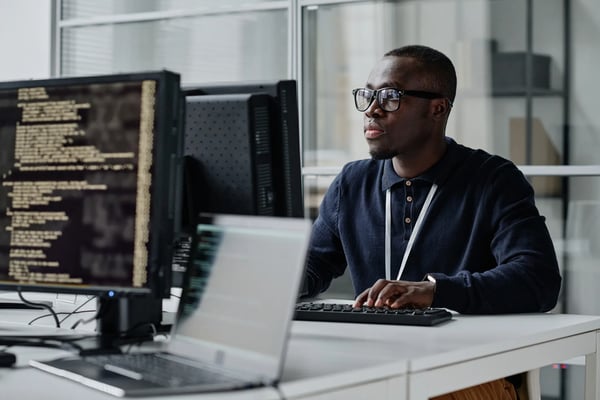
column 500, row 106
column 202, row 48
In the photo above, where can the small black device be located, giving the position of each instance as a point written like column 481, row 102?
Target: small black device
column 7, row 359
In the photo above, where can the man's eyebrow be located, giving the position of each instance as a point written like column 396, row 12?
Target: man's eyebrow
column 384, row 85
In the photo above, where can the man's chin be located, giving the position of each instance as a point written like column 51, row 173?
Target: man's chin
column 381, row 155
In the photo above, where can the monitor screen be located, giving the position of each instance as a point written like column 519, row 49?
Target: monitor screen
column 88, row 183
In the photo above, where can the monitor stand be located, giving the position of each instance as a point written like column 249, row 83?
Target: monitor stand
column 123, row 320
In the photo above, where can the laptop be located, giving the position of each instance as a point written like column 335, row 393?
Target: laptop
column 238, row 300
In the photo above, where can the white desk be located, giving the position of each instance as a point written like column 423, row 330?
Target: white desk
column 333, row 361
column 326, row 375
column 469, row 349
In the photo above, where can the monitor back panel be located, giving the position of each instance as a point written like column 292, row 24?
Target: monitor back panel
column 228, row 150
column 285, row 138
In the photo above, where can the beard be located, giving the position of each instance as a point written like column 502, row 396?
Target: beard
column 382, row 154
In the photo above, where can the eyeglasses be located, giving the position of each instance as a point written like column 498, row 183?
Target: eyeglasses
column 388, row 99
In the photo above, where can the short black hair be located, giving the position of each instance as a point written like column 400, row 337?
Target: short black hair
column 438, row 67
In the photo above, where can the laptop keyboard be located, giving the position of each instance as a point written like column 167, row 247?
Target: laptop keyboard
column 313, row 311
column 159, row 370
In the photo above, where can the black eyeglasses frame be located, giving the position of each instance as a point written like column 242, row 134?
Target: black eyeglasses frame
column 400, row 92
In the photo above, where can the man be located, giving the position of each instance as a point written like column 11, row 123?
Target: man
column 426, row 221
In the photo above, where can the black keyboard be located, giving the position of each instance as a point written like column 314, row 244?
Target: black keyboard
column 314, row 311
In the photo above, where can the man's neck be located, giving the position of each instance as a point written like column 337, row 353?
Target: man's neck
column 410, row 167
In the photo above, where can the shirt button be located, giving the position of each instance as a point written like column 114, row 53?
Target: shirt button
column 409, row 198
column 407, row 220
column 408, row 183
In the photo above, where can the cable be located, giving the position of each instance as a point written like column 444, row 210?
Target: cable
column 39, row 305
column 76, row 311
column 68, row 314
column 85, row 321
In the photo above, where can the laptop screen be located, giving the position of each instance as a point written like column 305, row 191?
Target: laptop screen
column 241, row 286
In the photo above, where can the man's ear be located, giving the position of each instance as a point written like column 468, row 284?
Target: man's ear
column 440, row 108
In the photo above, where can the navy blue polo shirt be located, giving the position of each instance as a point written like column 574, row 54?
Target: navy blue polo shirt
column 482, row 237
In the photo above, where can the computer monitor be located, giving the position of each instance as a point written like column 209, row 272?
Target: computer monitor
column 89, row 187
column 242, row 154
column 284, row 136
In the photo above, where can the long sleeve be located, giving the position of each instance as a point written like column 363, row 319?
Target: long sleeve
column 326, row 259
column 526, row 276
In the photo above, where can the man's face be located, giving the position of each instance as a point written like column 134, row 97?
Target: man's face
column 406, row 131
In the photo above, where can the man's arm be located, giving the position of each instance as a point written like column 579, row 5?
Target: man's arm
column 526, row 277
column 325, row 260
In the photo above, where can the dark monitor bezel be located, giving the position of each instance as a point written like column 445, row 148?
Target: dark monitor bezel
column 165, row 188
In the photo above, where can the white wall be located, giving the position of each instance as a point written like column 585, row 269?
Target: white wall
column 25, row 39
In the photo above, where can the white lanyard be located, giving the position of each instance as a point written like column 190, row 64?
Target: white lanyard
column 413, row 235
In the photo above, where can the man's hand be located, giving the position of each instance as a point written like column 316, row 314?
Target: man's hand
column 397, row 294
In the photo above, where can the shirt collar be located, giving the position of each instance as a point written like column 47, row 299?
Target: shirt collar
column 437, row 173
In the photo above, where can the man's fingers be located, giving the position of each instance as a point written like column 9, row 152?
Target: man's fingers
column 393, row 295
column 370, row 295
column 374, row 299
column 361, row 298
column 417, row 295
column 396, row 294
column 399, row 302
